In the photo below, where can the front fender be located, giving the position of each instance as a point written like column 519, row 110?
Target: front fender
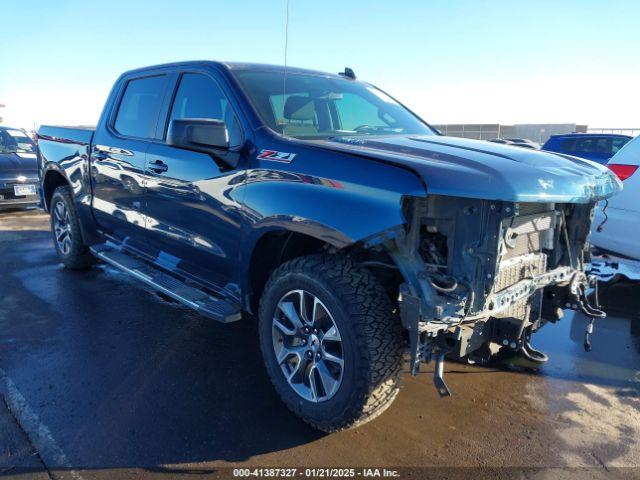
column 337, row 217
column 338, row 211
column 335, row 198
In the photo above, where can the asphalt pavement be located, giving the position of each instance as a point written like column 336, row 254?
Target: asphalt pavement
column 100, row 378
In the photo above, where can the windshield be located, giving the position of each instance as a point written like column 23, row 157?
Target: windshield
column 320, row 107
column 13, row 141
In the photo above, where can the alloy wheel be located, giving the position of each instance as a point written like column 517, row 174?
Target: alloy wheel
column 308, row 346
column 62, row 227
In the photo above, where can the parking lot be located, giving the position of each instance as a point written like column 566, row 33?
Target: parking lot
column 100, row 379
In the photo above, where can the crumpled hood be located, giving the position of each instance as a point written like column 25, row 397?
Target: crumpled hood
column 477, row 169
column 14, row 164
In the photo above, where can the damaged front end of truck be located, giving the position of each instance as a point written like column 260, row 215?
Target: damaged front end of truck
column 492, row 249
column 481, row 276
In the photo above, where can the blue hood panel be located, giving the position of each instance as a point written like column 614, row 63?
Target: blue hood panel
column 477, row 169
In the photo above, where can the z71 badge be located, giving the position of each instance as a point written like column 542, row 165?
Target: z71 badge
column 275, row 156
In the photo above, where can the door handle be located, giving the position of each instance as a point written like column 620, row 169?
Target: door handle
column 157, row 166
column 99, row 153
column 106, row 150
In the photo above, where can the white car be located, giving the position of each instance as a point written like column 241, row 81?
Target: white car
column 616, row 229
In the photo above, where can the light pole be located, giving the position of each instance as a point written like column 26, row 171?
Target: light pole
column 540, row 135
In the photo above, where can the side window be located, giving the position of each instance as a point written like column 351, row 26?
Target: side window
column 603, row 146
column 140, row 106
column 199, row 96
column 617, row 144
column 585, row 145
column 568, row 145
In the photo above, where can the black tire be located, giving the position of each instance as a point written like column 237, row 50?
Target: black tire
column 77, row 255
column 372, row 340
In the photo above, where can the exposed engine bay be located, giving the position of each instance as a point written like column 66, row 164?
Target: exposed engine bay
column 481, row 276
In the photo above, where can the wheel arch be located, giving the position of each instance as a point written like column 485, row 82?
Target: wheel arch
column 52, row 179
column 54, row 176
column 279, row 245
column 270, row 250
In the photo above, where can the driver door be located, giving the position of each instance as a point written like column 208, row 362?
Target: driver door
column 192, row 207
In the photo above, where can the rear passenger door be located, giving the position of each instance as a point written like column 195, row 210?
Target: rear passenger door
column 118, row 156
column 193, row 208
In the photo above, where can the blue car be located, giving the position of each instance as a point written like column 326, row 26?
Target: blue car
column 596, row 147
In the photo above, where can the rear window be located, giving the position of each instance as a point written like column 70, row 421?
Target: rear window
column 140, row 106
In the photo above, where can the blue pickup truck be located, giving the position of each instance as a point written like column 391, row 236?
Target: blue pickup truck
column 338, row 219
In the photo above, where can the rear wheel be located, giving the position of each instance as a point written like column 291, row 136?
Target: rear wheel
column 330, row 341
column 65, row 227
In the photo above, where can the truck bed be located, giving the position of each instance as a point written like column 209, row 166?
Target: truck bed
column 81, row 134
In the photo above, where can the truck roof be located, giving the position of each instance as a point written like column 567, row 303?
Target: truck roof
column 237, row 66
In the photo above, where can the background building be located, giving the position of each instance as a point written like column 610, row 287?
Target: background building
column 623, row 131
column 538, row 132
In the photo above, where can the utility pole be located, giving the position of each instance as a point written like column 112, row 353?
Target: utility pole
column 1, row 106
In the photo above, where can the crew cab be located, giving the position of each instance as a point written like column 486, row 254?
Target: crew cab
column 323, row 208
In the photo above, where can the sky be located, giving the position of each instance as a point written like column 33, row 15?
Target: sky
column 451, row 61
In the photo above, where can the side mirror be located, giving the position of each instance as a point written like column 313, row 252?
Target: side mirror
column 199, row 134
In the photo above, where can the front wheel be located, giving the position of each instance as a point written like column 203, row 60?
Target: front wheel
column 330, row 341
column 65, row 228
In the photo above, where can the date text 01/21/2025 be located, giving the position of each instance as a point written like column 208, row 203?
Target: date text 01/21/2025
column 316, row 472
